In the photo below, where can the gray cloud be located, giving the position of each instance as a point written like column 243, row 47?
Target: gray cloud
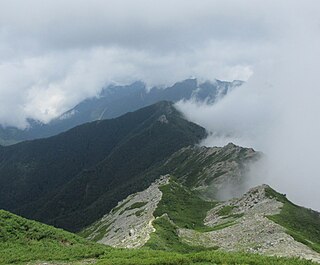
column 54, row 54
column 277, row 111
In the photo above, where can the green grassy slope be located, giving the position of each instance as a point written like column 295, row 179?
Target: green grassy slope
column 301, row 223
column 27, row 242
column 179, row 208
column 23, row 240
column 183, row 206
column 151, row 257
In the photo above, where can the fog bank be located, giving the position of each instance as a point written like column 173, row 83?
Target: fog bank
column 277, row 112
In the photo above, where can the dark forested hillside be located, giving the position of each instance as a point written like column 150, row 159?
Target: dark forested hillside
column 74, row 178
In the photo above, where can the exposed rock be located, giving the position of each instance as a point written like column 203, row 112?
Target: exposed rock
column 249, row 229
column 129, row 224
column 220, row 171
column 163, row 119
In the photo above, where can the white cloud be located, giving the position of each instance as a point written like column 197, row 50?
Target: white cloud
column 277, row 111
column 53, row 54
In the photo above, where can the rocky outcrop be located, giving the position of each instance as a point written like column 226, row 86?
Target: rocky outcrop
column 242, row 225
column 215, row 172
column 129, row 224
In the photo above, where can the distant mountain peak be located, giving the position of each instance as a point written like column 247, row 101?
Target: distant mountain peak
column 116, row 100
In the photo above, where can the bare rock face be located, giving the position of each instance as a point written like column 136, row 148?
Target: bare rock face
column 215, row 172
column 129, row 224
column 163, row 119
column 245, row 227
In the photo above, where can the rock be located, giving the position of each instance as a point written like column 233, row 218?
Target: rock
column 129, row 224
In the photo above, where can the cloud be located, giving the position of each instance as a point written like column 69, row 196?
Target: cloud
column 277, row 111
column 54, row 54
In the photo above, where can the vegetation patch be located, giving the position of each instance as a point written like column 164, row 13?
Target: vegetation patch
column 135, row 205
column 101, row 232
column 117, row 208
column 301, row 223
column 183, row 207
column 236, row 215
column 22, row 240
column 222, row 226
column 139, row 212
column 167, row 238
column 152, row 257
column 226, row 210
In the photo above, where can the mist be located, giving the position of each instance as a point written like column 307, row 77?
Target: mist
column 62, row 52
column 59, row 53
column 276, row 112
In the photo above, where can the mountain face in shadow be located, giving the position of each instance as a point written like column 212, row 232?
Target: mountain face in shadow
column 72, row 179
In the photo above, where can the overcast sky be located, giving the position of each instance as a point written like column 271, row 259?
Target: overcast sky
column 277, row 111
column 55, row 53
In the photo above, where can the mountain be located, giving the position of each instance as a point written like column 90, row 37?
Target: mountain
column 23, row 240
column 141, row 185
column 181, row 188
column 168, row 216
column 72, row 179
column 214, row 172
column 28, row 242
column 115, row 101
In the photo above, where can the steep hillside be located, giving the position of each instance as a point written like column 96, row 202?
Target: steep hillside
column 28, row 242
column 23, row 240
column 129, row 224
column 72, row 179
column 196, row 171
column 115, row 101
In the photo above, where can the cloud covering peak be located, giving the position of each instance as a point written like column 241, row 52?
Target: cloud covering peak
column 54, row 54
column 277, row 110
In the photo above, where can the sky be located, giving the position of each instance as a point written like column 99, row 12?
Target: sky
column 54, row 53
column 277, row 110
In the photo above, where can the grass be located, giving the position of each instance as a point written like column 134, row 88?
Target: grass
column 22, row 240
column 224, row 225
column 115, row 209
column 28, row 242
column 226, row 210
column 151, row 257
column 301, row 223
column 236, row 215
column 166, row 237
column 135, row 205
column 183, row 207
column 139, row 212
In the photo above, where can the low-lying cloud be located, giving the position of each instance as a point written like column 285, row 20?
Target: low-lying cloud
column 54, row 54
column 277, row 112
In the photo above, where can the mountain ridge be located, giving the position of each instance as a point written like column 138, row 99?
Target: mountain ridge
column 240, row 224
column 116, row 100
column 90, row 167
